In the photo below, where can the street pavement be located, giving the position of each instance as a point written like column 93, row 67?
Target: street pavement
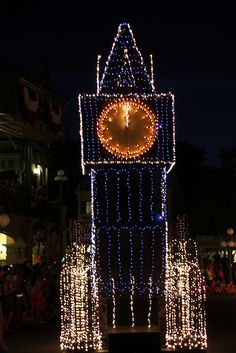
column 37, row 339
column 221, row 323
column 221, row 328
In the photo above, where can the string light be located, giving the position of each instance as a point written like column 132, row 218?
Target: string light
column 117, row 262
column 112, row 236
column 118, row 198
column 79, row 314
column 98, row 72
column 161, row 150
column 126, row 222
column 141, row 256
column 132, row 301
column 125, row 59
column 150, row 294
column 152, row 72
column 113, row 303
column 129, row 211
column 185, row 294
column 81, row 135
column 125, row 76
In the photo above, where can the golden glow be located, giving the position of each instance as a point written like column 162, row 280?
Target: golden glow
column 79, row 303
column 4, row 241
column 127, row 128
column 185, row 296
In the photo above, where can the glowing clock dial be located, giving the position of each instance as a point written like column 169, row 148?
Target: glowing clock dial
column 127, row 128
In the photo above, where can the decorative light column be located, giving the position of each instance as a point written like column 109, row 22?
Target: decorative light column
column 80, row 330
column 185, row 294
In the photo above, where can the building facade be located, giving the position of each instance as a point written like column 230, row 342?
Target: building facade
column 31, row 120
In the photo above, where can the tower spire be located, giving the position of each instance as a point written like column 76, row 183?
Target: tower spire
column 125, row 70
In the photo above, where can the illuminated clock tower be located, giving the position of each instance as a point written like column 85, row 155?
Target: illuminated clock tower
column 128, row 149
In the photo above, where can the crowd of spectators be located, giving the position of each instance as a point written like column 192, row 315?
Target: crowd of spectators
column 217, row 275
column 29, row 295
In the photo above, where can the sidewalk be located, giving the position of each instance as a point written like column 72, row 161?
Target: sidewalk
column 37, row 339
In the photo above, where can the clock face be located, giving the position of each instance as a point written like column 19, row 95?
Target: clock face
column 127, row 128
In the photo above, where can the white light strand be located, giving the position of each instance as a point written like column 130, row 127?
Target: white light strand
column 93, row 275
column 113, row 303
column 81, row 135
column 119, row 257
column 141, row 255
column 132, row 282
column 152, row 72
column 109, row 255
column 96, row 332
column 118, row 198
column 90, row 128
column 93, row 226
column 140, row 190
column 126, row 66
column 150, row 294
column 129, row 197
column 173, row 123
column 126, row 161
column 98, row 73
column 106, row 196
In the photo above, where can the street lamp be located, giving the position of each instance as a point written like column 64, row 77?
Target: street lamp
column 4, row 220
column 229, row 244
column 60, row 178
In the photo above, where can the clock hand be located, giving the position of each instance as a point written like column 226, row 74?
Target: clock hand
column 126, row 109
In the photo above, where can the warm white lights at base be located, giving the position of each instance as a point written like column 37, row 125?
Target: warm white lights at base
column 185, row 294
column 79, row 303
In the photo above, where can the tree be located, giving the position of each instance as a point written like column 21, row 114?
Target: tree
column 204, row 193
column 190, row 174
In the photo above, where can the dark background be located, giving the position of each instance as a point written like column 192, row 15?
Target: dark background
column 193, row 48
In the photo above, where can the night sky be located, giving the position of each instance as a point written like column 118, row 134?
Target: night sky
column 193, row 49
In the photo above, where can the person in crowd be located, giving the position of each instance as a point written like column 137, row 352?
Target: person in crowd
column 210, row 276
column 9, row 301
column 36, row 294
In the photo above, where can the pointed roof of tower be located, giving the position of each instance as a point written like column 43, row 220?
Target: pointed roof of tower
column 125, row 71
